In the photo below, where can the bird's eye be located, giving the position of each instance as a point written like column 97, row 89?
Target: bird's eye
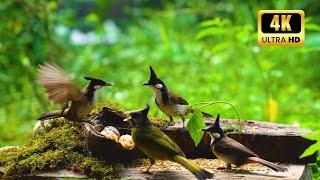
column 159, row 86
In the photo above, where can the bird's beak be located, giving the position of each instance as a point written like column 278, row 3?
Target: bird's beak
column 128, row 117
column 206, row 129
column 147, row 84
column 108, row 84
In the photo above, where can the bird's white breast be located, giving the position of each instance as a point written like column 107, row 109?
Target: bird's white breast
column 169, row 108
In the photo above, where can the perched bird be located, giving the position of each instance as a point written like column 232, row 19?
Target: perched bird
column 157, row 145
column 168, row 102
column 231, row 151
column 60, row 89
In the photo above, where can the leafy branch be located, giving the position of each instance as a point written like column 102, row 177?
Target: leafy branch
column 197, row 122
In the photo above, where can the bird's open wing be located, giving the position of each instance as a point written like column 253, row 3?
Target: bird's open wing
column 232, row 147
column 58, row 86
column 178, row 99
column 158, row 141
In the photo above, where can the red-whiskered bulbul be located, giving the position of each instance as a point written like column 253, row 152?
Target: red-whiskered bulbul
column 60, row 89
column 168, row 102
column 157, row 145
column 231, row 151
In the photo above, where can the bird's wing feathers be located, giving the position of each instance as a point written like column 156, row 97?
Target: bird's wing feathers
column 232, row 147
column 59, row 87
column 159, row 141
column 178, row 99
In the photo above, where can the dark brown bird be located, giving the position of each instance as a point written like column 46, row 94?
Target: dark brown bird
column 233, row 152
column 168, row 102
column 60, row 89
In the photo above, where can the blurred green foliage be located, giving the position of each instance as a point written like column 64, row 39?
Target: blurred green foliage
column 204, row 50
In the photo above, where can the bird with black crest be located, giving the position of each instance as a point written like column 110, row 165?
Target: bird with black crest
column 231, row 151
column 77, row 103
column 157, row 145
column 168, row 102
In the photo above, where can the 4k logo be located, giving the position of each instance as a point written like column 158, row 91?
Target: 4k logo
column 285, row 25
column 281, row 27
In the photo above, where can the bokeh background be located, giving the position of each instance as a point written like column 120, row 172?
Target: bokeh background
column 205, row 50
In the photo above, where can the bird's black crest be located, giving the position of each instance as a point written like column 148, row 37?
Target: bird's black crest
column 90, row 78
column 153, row 80
column 214, row 128
column 140, row 117
column 145, row 111
column 95, row 81
column 152, row 73
column 140, row 113
column 217, row 122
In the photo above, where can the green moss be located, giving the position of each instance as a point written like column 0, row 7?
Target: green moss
column 111, row 104
column 60, row 144
column 60, row 147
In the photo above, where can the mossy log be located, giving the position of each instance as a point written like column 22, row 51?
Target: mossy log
column 64, row 145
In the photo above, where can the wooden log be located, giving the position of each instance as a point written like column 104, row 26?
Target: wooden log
column 274, row 142
column 295, row 172
column 271, row 141
column 168, row 170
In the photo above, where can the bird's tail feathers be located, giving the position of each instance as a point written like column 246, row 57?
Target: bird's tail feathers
column 199, row 172
column 271, row 165
column 50, row 115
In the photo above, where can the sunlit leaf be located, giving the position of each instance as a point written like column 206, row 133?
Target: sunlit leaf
column 195, row 125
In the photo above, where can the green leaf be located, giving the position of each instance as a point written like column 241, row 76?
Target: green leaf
column 195, row 125
column 313, row 148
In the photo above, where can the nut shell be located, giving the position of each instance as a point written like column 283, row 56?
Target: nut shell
column 126, row 142
column 111, row 133
column 107, row 149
